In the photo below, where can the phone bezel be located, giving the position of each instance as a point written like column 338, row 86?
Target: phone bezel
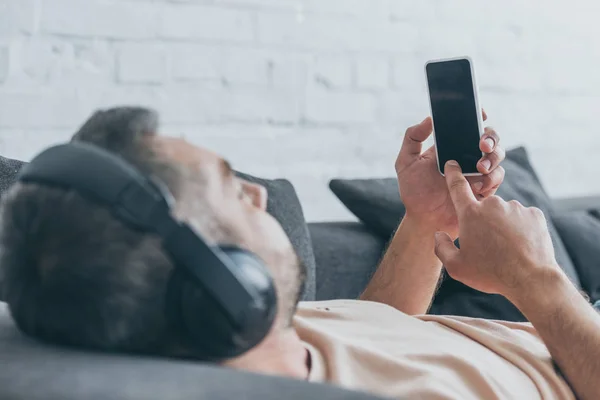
column 477, row 106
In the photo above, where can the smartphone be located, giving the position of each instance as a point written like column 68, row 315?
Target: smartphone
column 457, row 117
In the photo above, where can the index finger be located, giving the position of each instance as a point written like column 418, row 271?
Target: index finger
column 458, row 186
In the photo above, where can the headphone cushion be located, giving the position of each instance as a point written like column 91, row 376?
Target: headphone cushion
column 205, row 322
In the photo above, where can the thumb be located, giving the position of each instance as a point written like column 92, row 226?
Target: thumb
column 445, row 249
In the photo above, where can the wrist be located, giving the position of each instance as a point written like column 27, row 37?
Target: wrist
column 418, row 237
column 541, row 287
column 420, row 224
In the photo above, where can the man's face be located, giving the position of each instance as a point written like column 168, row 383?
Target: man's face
column 239, row 208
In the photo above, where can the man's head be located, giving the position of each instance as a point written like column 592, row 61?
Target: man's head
column 74, row 274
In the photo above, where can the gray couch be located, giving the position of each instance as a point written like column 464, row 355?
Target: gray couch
column 346, row 254
column 343, row 257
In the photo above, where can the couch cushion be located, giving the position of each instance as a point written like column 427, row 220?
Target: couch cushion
column 347, row 254
column 283, row 204
column 8, row 173
column 580, row 231
column 377, row 203
column 34, row 371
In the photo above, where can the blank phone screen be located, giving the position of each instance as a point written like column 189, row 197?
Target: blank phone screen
column 455, row 115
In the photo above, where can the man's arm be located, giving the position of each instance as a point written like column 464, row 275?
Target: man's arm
column 409, row 272
column 569, row 326
column 506, row 249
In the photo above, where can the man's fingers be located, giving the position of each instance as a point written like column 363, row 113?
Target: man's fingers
column 458, row 186
column 489, row 140
column 484, row 114
column 490, row 162
column 413, row 140
column 445, row 249
column 482, row 184
column 493, row 180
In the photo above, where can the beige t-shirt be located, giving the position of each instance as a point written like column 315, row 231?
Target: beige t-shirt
column 371, row 346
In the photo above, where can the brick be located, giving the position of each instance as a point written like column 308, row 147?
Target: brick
column 261, row 105
column 237, row 66
column 24, row 144
column 336, row 107
column 442, row 40
column 6, row 18
column 332, row 72
column 190, row 62
column 18, row 17
column 218, row 105
column 142, row 63
column 65, row 62
column 92, row 18
column 248, row 66
column 409, row 73
column 43, row 109
column 356, row 8
column 476, row 13
column 372, row 73
column 151, row 96
column 266, row 150
column 289, row 71
column 4, row 63
column 287, row 5
column 338, row 34
column 205, row 22
column 401, row 110
column 363, row 8
column 508, row 74
column 413, row 11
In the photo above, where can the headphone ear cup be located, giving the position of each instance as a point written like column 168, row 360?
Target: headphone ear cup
column 206, row 324
column 196, row 316
column 261, row 313
column 201, row 318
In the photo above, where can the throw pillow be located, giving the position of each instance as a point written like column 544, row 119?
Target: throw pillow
column 377, row 203
column 283, row 204
column 580, row 231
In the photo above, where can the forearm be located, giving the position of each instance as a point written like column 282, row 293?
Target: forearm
column 409, row 273
column 570, row 328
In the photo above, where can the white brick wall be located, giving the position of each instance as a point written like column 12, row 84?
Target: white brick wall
column 306, row 89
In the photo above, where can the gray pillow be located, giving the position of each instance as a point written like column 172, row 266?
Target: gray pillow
column 377, row 203
column 283, row 204
column 580, row 231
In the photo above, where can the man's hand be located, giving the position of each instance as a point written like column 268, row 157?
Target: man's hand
column 505, row 248
column 422, row 187
column 502, row 244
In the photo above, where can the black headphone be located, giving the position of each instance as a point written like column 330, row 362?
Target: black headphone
column 222, row 298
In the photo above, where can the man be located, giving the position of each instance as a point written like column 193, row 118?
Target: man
column 75, row 275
